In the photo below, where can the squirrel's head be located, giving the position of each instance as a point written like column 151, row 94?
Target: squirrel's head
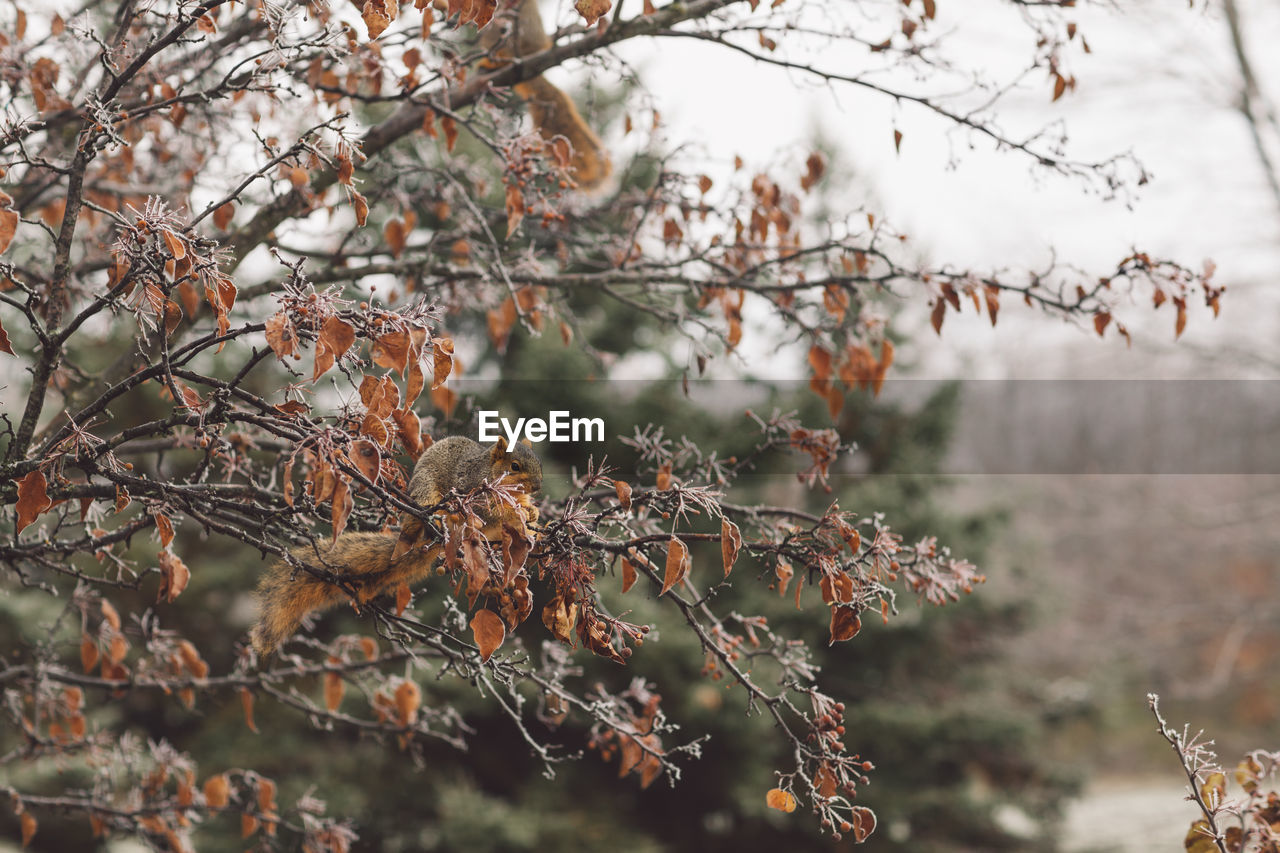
column 519, row 462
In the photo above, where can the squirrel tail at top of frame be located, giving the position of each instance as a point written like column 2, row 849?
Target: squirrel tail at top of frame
column 553, row 112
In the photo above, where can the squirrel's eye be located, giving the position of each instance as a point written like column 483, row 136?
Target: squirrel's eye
column 515, row 466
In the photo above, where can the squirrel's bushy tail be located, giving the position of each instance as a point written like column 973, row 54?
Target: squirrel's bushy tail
column 285, row 597
column 554, row 114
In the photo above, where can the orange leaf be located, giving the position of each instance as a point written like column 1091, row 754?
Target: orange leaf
column 361, row 206
column 110, row 615
column 442, row 357
column 863, row 821
column 246, row 702
column 266, row 795
column 781, row 800
column 825, row 781
column 836, row 589
column 408, row 700
column 378, row 15
column 176, row 576
column 396, row 235
column 820, row 361
column 222, row 216
column 515, row 208
column 191, row 660
column 217, row 791
column 1200, row 838
column 1100, row 321
column 845, row 624
column 5, row 346
column 176, row 246
column 28, row 827
column 992, row 294
column 628, row 576
column 663, row 481
column 1214, row 789
column 560, row 617
column 88, row 653
column 444, row 399
column 730, row 544
column 500, row 322
column 593, row 10
column 337, row 335
column 334, row 688
column 677, row 564
column 32, row 498
column 392, row 350
column 280, row 335
column 8, row 226
column 489, row 631
column 784, row 573
column 450, row 127
column 939, row 313
column 623, row 490
column 164, row 528
column 366, row 458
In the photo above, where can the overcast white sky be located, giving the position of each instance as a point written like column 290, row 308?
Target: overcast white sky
column 1161, row 80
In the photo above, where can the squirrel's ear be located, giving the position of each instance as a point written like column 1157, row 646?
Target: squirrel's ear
column 527, row 443
column 499, row 447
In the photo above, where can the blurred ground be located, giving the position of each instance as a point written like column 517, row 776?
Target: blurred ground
column 1165, row 584
column 1133, row 815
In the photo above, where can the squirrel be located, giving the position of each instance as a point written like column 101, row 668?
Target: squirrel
column 373, row 562
column 553, row 112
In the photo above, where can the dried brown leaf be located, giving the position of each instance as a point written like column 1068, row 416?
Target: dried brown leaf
column 246, row 704
column 489, row 631
column 677, row 564
column 730, row 544
column 32, row 498
column 217, row 791
column 783, row 801
column 334, row 687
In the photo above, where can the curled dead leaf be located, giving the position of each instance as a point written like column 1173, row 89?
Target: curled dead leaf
column 730, row 544
column 783, row 801
column 845, row 624
column 334, row 687
column 593, row 10
column 246, row 703
column 677, row 564
column 560, row 617
column 217, row 791
column 175, row 574
column 489, row 632
column 32, row 498
column 408, row 700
